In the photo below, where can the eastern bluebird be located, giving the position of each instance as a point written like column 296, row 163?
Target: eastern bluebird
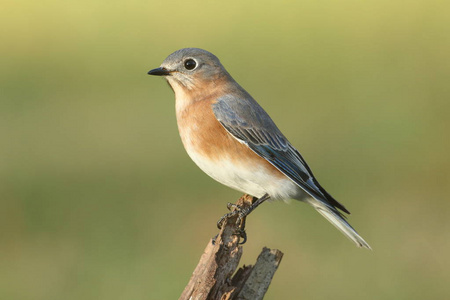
column 233, row 140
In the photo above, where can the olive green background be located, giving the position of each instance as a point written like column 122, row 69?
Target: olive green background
column 98, row 199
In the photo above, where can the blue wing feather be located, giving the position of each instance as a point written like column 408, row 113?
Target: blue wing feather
column 247, row 121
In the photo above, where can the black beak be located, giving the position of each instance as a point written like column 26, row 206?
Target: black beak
column 159, row 72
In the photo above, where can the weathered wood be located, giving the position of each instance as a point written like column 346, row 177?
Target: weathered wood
column 261, row 275
column 212, row 278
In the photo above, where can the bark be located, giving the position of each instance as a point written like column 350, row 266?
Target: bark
column 213, row 277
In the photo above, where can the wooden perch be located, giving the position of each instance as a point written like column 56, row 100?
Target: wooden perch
column 213, row 277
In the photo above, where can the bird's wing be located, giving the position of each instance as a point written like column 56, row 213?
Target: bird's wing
column 248, row 122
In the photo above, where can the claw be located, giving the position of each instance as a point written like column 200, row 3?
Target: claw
column 213, row 240
column 241, row 213
column 220, row 222
column 243, row 235
column 224, row 217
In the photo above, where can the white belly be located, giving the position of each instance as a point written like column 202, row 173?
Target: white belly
column 254, row 180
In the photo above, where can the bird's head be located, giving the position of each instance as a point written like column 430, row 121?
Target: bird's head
column 191, row 68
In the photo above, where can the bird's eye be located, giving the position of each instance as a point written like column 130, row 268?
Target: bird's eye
column 190, row 64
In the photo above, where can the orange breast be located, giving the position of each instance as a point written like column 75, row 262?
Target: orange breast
column 201, row 132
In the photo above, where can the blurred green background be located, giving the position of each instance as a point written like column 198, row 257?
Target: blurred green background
column 98, row 199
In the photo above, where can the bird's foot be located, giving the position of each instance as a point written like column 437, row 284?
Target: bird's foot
column 241, row 213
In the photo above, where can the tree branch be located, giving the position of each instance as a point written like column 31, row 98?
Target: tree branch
column 213, row 277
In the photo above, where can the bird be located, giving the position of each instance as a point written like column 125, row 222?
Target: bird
column 231, row 138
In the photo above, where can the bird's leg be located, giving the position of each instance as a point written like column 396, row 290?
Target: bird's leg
column 242, row 213
column 241, row 229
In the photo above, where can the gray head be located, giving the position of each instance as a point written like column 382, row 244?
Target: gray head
column 189, row 68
